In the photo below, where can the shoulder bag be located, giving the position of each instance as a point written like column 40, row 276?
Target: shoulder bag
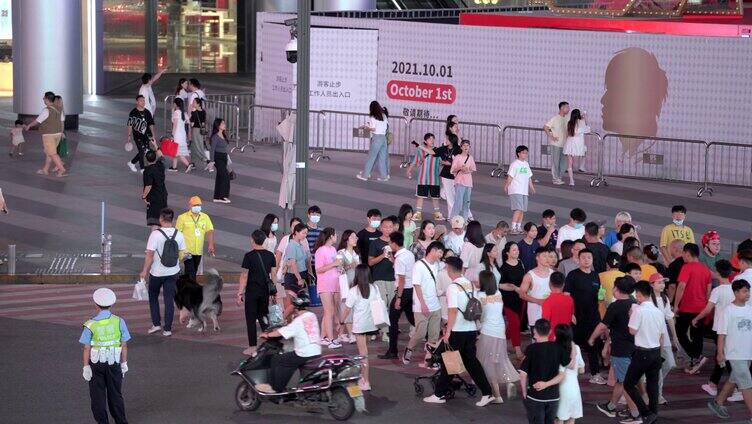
column 269, row 283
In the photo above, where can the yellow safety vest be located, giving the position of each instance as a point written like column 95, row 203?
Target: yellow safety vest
column 104, row 332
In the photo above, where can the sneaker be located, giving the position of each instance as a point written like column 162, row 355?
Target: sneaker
column 558, row 182
column 485, row 400
column 171, row 169
column 712, row 391
column 189, row 168
column 407, row 356
column 582, row 169
column 352, row 339
column 603, row 407
column 597, row 379
column 631, row 420
column 167, row 333
column 383, row 179
column 264, row 388
column 418, row 216
column 154, row 329
column 623, row 414
column 325, row 341
column 361, row 177
column 227, row 200
column 434, row 399
column 515, row 232
column 662, row 400
column 334, row 345
column 343, row 338
column 497, row 400
column 388, row 355
column 736, row 396
column 718, row 410
column 132, row 167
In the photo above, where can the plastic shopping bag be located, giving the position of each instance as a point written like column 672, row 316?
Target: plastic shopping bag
column 379, row 312
column 140, row 292
column 276, row 316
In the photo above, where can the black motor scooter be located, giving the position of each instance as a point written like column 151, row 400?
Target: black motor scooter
column 329, row 382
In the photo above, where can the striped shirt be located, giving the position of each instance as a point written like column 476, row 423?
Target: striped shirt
column 429, row 169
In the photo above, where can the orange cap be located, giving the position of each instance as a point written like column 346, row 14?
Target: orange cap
column 195, row 200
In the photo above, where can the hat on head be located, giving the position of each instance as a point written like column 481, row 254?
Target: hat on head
column 104, row 297
column 709, row 236
column 656, row 278
column 458, row 222
column 195, row 201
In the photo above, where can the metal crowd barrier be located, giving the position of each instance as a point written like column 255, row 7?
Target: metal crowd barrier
column 727, row 163
column 341, row 131
column 485, row 138
column 230, row 112
column 243, row 101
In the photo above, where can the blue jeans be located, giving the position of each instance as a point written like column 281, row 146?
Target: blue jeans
column 377, row 153
column 461, row 201
column 168, row 297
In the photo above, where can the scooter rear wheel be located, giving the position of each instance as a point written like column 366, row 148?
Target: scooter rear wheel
column 246, row 398
column 341, row 406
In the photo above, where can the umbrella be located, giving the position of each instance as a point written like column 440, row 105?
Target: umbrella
column 286, row 129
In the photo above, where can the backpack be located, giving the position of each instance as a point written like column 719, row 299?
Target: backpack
column 170, row 250
column 473, row 309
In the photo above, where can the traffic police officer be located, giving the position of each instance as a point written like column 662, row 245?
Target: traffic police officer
column 105, row 358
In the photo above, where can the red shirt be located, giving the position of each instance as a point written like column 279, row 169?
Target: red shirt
column 697, row 278
column 558, row 308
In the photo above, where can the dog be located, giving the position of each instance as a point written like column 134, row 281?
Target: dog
column 198, row 303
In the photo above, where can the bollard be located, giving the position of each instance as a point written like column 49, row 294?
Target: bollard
column 11, row 259
column 107, row 254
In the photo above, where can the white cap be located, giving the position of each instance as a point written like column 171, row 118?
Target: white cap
column 104, row 297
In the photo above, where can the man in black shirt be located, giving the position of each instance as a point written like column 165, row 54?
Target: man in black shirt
column 540, row 375
column 155, row 192
column 547, row 231
column 674, row 268
column 447, row 152
column 594, row 244
column 140, row 131
column 616, row 324
column 583, row 284
column 381, row 261
column 253, row 290
column 368, row 234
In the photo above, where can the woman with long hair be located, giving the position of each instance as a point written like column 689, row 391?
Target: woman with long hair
column 406, row 223
column 297, row 260
column 218, row 156
column 359, row 299
column 425, row 237
column 471, row 250
column 327, row 265
column 179, row 118
column 348, row 251
column 378, row 150
column 181, row 91
column 575, row 147
column 570, row 398
column 492, row 343
column 270, row 226
column 512, row 272
column 198, row 132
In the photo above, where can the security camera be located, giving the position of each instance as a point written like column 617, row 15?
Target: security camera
column 292, row 51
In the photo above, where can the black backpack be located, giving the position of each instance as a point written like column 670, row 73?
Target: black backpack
column 474, row 309
column 170, row 250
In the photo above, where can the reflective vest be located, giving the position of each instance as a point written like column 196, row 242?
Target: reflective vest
column 104, row 332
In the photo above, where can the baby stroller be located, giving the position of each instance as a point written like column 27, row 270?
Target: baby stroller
column 457, row 382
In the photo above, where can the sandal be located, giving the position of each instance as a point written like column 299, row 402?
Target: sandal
column 42, row 172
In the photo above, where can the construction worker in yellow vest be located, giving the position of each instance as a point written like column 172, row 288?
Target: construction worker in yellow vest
column 195, row 226
column 105, row 357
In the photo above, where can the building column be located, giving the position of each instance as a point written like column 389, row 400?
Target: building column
column 47, row 56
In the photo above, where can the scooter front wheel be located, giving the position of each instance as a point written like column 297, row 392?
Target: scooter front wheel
column 246, row 398
column 341, row 406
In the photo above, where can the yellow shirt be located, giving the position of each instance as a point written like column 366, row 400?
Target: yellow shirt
column 673, row 232
column 646, row 270
column 558, row 127
column 194, row 230
column 608, row 279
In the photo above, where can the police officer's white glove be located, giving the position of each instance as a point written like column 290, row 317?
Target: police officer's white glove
column 87, row 373
column 124, row 367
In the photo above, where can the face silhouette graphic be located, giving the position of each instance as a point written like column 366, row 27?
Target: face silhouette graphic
column 636, row 88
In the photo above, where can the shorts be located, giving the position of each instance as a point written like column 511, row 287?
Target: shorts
column 620, row 366
column 740, row 374
column 291, row 283
column 518, row 202
column 428, row 191
column 50, row 142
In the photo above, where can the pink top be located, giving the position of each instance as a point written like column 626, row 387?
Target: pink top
column 463, row 178
column 327, row 282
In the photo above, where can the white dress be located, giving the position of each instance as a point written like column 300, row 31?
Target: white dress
column 570, row 398
column 180, row 136
column 576, row 144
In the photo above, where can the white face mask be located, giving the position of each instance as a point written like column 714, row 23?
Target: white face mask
column 275, row 227
column 679, row 222
column 315, row 218
column 196, row 209
column 375, row 223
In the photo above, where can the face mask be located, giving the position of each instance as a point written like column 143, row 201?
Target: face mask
column 196, row 209
column 275, row 227
column 578, row 226
column 315, row 218
column 375, row 223
column 679, row 222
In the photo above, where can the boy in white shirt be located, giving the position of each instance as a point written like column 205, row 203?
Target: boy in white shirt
column 574, row 230
column 519, row 185
column 404, row 262
column 461, row 335
column 735, row 345
column 426, row 304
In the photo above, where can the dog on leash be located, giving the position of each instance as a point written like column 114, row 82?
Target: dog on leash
column 199, row 304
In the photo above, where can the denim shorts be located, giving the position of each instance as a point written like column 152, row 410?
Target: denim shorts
column 518, row 202
column 620, row 366
column 740, row 374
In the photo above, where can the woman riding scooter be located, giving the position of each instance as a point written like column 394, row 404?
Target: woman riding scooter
column 304, row 330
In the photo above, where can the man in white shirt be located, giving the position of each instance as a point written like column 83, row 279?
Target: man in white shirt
column 574, row 230
column 305, row 333
column 426, row 304
column 147, row 81
column 161, row 271
column 456, row 238
column 646, row 323
column 498, row 235
column 461, row 335
column 404, row 262
column 556, row 128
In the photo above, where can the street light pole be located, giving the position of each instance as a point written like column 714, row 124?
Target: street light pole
column 300, row 208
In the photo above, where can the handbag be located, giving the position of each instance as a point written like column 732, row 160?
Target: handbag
column 168, row 147
column 379, row 312
column 389, row 135
column 452, row 361
column 232, row 175
column 62, row 148
column 269, row 283
column 140, row 292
